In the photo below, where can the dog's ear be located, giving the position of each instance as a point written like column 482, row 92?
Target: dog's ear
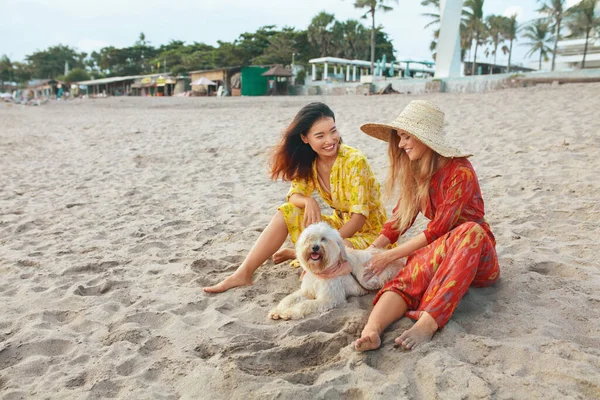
column 343, row 254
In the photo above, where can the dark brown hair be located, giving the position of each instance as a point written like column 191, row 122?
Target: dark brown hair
column 293, row 158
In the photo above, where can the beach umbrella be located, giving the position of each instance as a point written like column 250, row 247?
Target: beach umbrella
column 203, row 81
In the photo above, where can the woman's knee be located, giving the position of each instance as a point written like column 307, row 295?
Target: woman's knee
column 469, row 227
column 289, row 209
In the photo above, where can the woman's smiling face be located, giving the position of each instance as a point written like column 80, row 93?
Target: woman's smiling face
column 323, row 137
column 413, row 148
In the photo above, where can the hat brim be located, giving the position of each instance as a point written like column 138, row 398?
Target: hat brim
column 384, row 132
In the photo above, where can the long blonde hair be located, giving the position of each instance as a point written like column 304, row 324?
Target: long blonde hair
column 413, row 179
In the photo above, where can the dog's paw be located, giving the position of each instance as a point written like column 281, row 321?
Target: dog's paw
column 274, row 314
column 290, row 313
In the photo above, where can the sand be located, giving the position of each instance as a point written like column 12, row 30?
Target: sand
column 114, row 213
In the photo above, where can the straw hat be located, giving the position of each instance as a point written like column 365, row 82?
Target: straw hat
column 423, row 120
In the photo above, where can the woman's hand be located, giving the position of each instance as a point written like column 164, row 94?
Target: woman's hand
column 312, row 212
column 378, row 263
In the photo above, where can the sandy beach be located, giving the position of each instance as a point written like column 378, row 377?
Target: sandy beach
column 114, row 213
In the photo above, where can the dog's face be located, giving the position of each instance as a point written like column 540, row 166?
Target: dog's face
column 319, row 247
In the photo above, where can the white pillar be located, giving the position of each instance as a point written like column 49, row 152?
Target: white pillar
column 354, row 72
column 335, row 69
column 325, row 72
column 314, row 72
column 447, row 60
column 347, row 72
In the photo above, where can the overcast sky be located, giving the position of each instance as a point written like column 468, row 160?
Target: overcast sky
column 29, row 25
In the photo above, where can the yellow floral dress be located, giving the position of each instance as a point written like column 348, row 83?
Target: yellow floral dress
column 354, row 190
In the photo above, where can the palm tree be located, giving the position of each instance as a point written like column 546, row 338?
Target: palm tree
column 476, row 25
column 320, row 32
column 435, row 20
column 372, row 6
column 512, row 28
column 497, row 26
column 465, row 38
column 581, row 20
column 538, row 32
column 555, row 10
column 6, row 69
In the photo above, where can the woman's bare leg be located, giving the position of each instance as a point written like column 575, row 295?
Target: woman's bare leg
column 390, row 308
column 268, row 242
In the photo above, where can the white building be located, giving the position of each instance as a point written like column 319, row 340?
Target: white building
column 344, row 70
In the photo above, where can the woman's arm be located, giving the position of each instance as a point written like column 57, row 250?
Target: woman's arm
column 379, row 261
column 354, row 224
column 381, row 242
column 312, row 211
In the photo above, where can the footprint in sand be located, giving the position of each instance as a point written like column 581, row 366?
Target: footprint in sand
column 93, row 290
column 93, row 268
column 310, row 358
column 552, row 268
column 105, row 389
column 14, row 354
column 76, row 381
column 154, row 344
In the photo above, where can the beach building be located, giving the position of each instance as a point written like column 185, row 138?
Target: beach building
column 154, row 85
column 221, row 76
column 569, row 53
column 278, row 79
column 135, row 85
column 253, row 83
column 335, row 69
column 113, row 86
column 44, row 87
column 484, row 68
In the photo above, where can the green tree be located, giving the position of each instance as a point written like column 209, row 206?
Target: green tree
column 6, row 69
column 350, row 39
column 320, row 32
column 282, row 47
column 77, row 75
column 538, row 33
column 476, row 26
column 21, row 72
column 555, row 10
column 581, row 20
column 512, row 29
column 251, row 45
column 372, row 6
column 497, row 27
column 383, row 45
column 51, row 62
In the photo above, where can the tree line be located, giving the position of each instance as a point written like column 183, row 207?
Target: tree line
column 494, row 33
column 325, row 36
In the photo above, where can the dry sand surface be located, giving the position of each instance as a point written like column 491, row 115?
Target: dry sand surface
column 114, row 213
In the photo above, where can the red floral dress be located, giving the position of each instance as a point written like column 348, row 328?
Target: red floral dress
column 461, row 247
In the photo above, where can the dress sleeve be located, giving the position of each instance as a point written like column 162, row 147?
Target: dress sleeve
column 300, row 186
column 458, row 190
column 393, row 234
column 359, row 184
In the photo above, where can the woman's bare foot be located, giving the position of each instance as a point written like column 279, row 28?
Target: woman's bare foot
column 283, row 255
column 370, row 339
column 422, row 331
column 235, row 280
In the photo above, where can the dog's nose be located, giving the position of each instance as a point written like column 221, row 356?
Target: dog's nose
column 315, row 248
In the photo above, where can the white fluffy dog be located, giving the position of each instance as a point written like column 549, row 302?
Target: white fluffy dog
column 333, row 272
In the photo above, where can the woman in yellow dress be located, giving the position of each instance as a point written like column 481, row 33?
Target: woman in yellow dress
column 312, row 157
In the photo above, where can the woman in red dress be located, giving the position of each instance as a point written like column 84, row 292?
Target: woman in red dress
column 455, row 251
